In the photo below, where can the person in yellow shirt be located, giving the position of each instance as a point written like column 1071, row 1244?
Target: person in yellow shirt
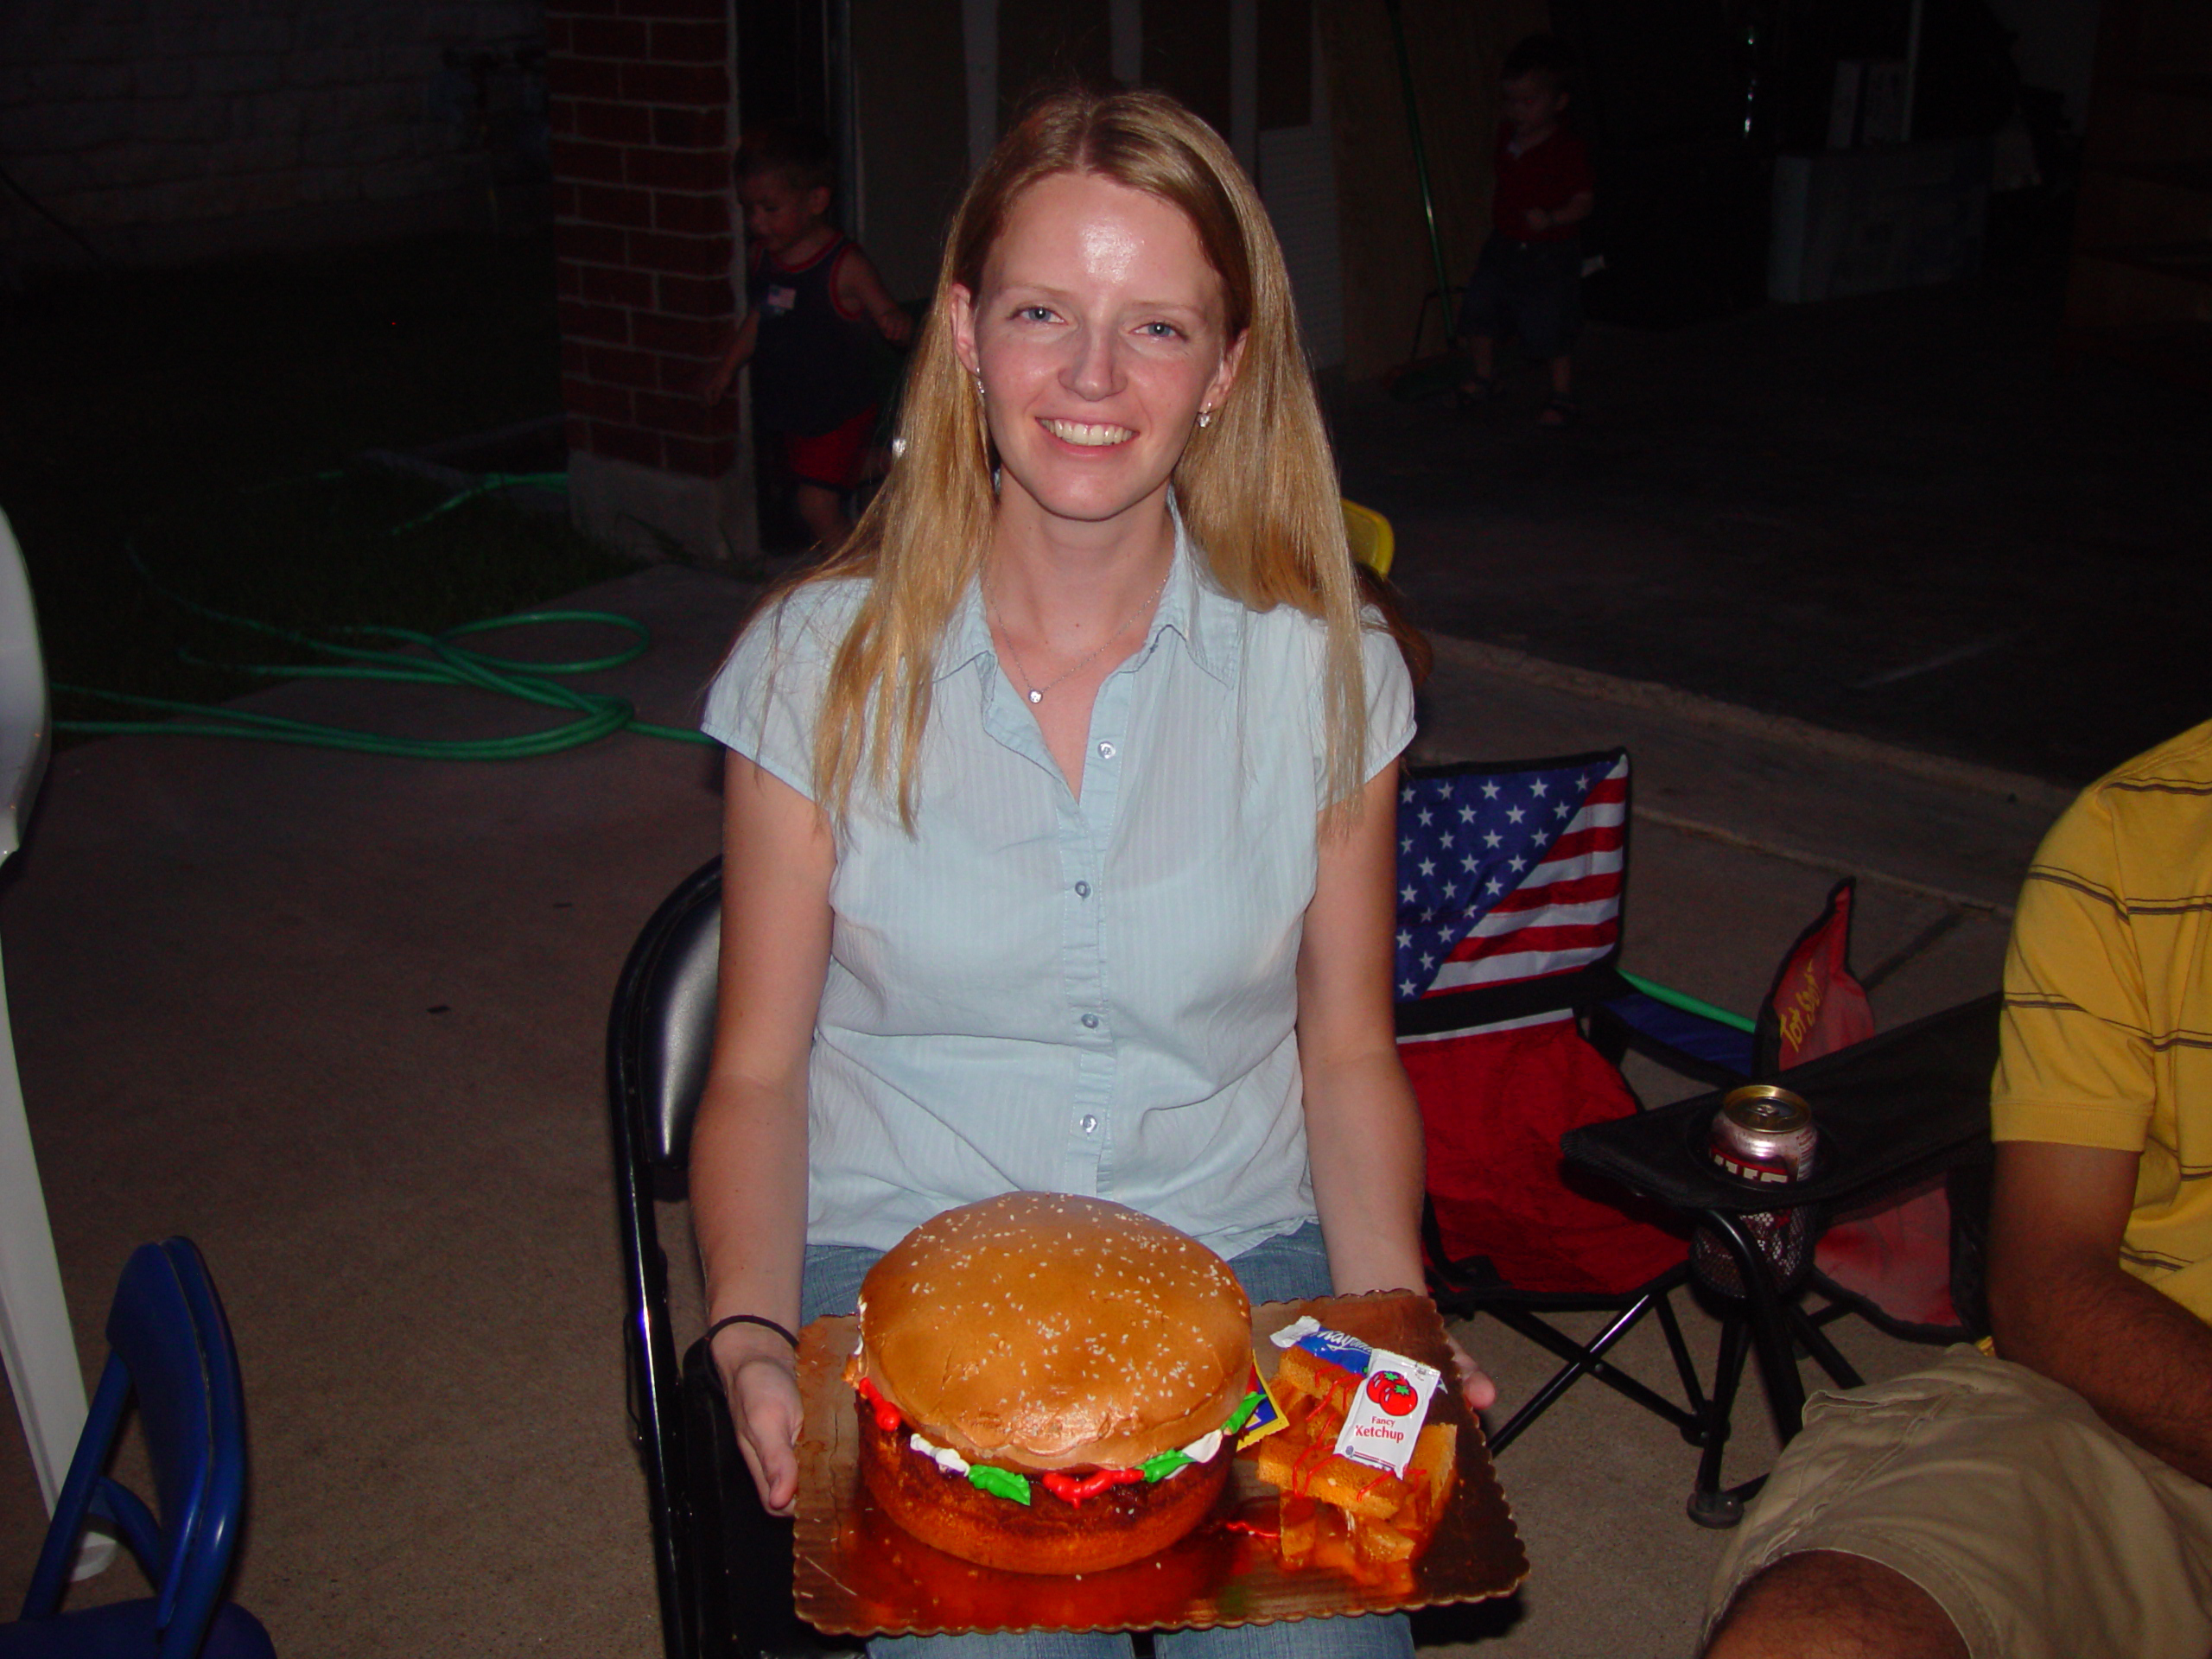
column 2053, row 1496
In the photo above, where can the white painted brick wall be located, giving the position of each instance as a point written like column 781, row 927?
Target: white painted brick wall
column 205, row 124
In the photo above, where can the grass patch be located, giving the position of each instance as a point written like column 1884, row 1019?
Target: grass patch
column 188, row 412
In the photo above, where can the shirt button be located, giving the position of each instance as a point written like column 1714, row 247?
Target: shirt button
column 1091, row 1021
column 1082, row 889
column 1090, row 1124
column 1105, row 751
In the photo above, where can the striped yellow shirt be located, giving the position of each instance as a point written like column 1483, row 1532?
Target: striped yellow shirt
column 2108, row 1026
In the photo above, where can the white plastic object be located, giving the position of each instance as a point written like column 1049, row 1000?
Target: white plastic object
column 35, row 1338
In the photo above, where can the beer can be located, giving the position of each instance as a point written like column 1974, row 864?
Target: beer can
column 1765, row 1135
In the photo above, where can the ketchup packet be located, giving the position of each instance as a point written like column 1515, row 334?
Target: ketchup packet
column 1387, row 1413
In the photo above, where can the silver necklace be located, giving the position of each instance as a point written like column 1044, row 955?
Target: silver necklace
column 1036, row 693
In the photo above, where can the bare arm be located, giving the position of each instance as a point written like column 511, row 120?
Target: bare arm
column 715, row 385
column 2062, row 1305
column 748, row 1147
column 859, row 288
column 1363, row 1128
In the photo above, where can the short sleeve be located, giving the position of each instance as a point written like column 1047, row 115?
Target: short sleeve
column 765, row 702
column 2075, row 1063
column 1389, row 700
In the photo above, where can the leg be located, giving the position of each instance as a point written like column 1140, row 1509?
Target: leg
column 2039, row 1531
column 1483, row 319
column 1368, row 1635
column 1481, row 384
column 1287, row 1267
column 1562, row 409
column 1824, row 1605
column 824, row 513
column 824, row 465
column 1551, row 317
column 1013, row 1644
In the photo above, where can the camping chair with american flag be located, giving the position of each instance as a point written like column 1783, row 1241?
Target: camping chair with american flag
column 1510, row 880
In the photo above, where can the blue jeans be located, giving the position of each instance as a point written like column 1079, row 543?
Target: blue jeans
column 1281, row 1269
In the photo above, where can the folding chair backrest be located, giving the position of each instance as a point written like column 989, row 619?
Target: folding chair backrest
column 1815, row 1005
column 170, row 1352
column 667, row 998
column 1509, row 881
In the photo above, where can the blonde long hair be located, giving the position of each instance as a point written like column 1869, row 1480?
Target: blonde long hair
column 1257, row 487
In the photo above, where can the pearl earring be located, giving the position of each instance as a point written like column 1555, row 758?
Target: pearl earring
column 979, row 388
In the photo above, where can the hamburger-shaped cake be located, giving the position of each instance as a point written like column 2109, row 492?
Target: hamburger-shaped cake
column 1050, row 1384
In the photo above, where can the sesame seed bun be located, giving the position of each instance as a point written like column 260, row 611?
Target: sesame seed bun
column 1039, row 1331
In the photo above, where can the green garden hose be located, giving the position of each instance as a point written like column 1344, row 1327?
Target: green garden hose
column 407, row 657
column 596, row 715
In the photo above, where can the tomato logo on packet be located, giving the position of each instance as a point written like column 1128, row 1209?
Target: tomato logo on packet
column 1393, row 1393
column 1386, row 1416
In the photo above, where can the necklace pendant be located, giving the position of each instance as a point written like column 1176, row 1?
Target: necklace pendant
column 1036, row 697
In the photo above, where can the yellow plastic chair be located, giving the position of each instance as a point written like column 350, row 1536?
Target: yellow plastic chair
column 1372, row 541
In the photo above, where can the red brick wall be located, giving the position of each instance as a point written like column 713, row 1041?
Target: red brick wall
column 645, row 228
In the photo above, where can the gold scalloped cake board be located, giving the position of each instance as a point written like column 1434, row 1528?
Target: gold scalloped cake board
column 856, row 1573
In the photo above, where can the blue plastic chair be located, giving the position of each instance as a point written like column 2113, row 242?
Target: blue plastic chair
column 170, row 1347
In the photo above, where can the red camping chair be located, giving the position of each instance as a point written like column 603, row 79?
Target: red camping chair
column 1889, row 1260
column 1509, row 927
column 1510, row 880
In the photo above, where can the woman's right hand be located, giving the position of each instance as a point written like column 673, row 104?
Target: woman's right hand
column 761, row 1382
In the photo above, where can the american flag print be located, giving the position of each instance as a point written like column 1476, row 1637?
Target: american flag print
column 1508, row 875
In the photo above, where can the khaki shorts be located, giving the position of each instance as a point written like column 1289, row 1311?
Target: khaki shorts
column 2039, row 1529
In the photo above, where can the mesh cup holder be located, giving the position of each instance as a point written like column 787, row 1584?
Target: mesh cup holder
column 1783, row 1239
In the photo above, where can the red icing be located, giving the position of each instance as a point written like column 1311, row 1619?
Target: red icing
column 1071, row 1489
column 886, row 1415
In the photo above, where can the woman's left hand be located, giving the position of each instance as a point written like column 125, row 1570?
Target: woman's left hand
column 1475, row 1386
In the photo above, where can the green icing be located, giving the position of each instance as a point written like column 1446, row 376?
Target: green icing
column 1243, row 1414
column 1004, row 1482
column 1166, row 1463
column 1162, row 1465
column 999, row 1483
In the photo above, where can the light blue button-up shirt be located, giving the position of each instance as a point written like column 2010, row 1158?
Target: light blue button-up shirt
column 1038, row 991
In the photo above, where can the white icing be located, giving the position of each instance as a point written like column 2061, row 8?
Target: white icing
column 1202, row 1450
column 943, row 1456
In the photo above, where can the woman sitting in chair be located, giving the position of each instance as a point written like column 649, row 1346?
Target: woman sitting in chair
column 1059, row 823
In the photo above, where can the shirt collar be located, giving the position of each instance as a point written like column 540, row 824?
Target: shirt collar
column 1208, row 621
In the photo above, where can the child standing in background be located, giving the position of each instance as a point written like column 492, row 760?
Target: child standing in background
column 813, row 307
column 1529, row 277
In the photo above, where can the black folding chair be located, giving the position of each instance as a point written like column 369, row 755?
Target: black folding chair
column 1892, row 1111
column 722, row 1563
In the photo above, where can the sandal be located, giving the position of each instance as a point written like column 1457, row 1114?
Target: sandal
column 1561, row 411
